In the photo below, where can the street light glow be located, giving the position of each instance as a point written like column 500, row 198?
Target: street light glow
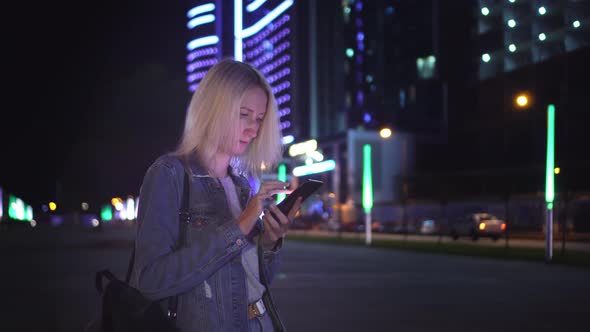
column 485, row 11
column 511, row 23
column 542, row 36
column 512, row 48
column 385, row 132
column 550, row 168
column 522, row 100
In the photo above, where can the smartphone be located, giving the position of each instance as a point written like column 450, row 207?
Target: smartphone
column 304, row 190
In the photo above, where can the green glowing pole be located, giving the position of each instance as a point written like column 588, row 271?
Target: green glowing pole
column 367, row 191
column 281, row 176
column 106, row 214
column 549, row 180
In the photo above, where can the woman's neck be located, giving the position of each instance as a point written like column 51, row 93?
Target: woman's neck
column 220, row 164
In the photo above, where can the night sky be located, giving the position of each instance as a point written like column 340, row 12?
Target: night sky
column 93, row 93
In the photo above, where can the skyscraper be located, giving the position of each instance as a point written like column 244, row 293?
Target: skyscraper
column 257, row 32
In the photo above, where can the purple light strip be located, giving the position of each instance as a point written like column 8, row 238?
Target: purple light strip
column 193, row 87
column 273, row 40
column 285, row 125
column 279, row 75
column 261, row 47
column 196, row 76
column 360, row 98
column 269, row 29
column 284, row 111
column 201, row 52
column 281, row 87
column 283, row 99
column 272, row 66
column 200, row 64
column 270, row 55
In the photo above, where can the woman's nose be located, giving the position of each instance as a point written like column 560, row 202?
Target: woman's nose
column 252, row 128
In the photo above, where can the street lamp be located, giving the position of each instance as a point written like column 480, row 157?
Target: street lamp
column 522, row 100
column 549, row 180
column 385, row 132
column 367, row 191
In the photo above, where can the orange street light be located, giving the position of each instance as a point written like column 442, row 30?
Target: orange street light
column 523, row 100
column 385, row 132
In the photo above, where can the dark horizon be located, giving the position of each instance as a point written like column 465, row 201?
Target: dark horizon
column 93, row 96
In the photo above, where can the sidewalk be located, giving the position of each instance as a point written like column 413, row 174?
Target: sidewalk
column 513, row 240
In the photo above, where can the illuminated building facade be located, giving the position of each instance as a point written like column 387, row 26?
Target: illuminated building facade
column 516, row 33
column 256, row 32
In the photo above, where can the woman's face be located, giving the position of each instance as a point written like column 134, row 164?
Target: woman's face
column 252, row 111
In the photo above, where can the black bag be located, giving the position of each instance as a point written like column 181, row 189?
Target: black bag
column 266, row 296
column 124, row 308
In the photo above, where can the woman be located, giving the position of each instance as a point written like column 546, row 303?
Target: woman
column 231, row 129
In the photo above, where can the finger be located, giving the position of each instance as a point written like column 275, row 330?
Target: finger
column 282, row 218
column 295, row 208
column 271, row 225
column 280, row 191
column 273, row 188
column 275, row 184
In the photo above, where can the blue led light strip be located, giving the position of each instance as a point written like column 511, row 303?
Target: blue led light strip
column 200, row 42
column 238, row 30
column 195, row 22
column 254, row 5
column 200, row 10
column 263, row 21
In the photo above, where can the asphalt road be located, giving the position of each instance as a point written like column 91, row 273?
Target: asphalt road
column 47, row 284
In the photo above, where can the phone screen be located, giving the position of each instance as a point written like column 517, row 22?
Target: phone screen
column 304, row 190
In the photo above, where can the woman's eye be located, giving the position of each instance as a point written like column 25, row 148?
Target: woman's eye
column 259, row 120
column 244, row 114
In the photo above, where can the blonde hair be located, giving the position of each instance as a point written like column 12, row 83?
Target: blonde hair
column 212, row 120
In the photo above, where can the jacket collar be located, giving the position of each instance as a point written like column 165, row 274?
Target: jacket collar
column 198, row 170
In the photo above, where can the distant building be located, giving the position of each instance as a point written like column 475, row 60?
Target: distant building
column 365, row 65
column 512, row 34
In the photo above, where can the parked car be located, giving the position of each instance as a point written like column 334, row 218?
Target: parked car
column 476, row 225
column 429, row 227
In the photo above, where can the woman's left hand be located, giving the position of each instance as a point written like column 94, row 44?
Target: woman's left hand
column 276, row 228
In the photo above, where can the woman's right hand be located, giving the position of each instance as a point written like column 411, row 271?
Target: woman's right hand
column 253, row 210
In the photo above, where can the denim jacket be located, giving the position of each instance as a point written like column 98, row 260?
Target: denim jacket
column 207, row 272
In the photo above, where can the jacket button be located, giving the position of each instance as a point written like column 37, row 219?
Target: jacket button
column 239, row 242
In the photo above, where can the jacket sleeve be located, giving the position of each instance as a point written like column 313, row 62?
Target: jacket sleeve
column 272, row 263
column 160, row 271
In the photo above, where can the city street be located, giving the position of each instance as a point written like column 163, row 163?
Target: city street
column 48, row 285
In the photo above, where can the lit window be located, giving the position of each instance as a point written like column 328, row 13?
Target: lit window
column 512, row 48
column 426, row 66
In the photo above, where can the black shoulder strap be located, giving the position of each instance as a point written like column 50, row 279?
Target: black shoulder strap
column 267, row 297
column 184, row 218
